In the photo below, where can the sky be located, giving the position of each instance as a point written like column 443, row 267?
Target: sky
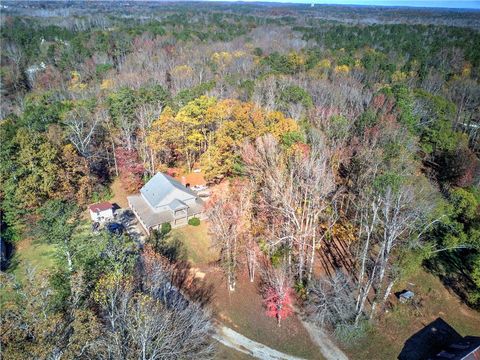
column 462, row 4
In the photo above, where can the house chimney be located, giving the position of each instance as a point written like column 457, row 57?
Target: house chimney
column 184, row 181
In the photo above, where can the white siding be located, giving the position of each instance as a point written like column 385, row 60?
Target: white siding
column 101, row 215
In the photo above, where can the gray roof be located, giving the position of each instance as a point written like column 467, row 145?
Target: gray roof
column 177, row 205
column 162, row 190
column 151, row 218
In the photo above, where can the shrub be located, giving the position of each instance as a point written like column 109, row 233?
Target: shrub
column 101, row 69
column 295, row 94
column 350, row 334
column 292, row 137
column 102, row 194
column 165, row 229
column 194, row 221
column 330, row 301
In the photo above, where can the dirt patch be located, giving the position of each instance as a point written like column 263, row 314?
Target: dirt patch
column 192, row 179
column 23, row 244
column 119, row 194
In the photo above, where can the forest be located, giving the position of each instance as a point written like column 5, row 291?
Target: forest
column 325, row 127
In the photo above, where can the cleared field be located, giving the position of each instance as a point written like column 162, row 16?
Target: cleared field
column 119, row 194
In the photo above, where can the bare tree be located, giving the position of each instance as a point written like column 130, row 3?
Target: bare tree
column 264, row 94
column 330, row 302
column 151, row 318
column 226, row 216
column 294, row 196
column 242, row 196
column 16, row 56
column 155, row 331
column 128, row 128
column 146, row 114
column 433, row 82
column 395, row 213
column 465, row 93
column 82, row 126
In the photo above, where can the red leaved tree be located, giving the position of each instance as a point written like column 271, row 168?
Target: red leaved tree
column 278, row 298
column 130, row 168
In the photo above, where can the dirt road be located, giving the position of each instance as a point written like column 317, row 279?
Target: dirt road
column 329, row 350
column 234, row 340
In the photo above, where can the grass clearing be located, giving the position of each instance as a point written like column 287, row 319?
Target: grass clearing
column 242, row 310
column 40, row 256
column 196, row 242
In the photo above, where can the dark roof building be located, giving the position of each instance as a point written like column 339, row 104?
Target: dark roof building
column 438, row 340
column 466, row 349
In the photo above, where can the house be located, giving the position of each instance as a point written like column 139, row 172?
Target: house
column 101, row 212
column 165, row 200
column 438, row 340
column 466, row 349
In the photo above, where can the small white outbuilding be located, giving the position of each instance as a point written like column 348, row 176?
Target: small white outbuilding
column 101, row 212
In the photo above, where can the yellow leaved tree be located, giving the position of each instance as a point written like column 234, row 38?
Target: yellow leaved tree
column 212, row 131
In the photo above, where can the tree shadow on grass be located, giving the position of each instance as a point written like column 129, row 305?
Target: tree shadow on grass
column 451, row 268
column 197, row 289
column 12, row 262
column 182, row 274
column 170, row 247
column 334, row 255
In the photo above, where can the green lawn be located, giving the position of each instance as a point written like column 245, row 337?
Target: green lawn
column 196, row 243
column 40, row 256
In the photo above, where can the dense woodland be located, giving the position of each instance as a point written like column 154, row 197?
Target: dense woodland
column 321, row 120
